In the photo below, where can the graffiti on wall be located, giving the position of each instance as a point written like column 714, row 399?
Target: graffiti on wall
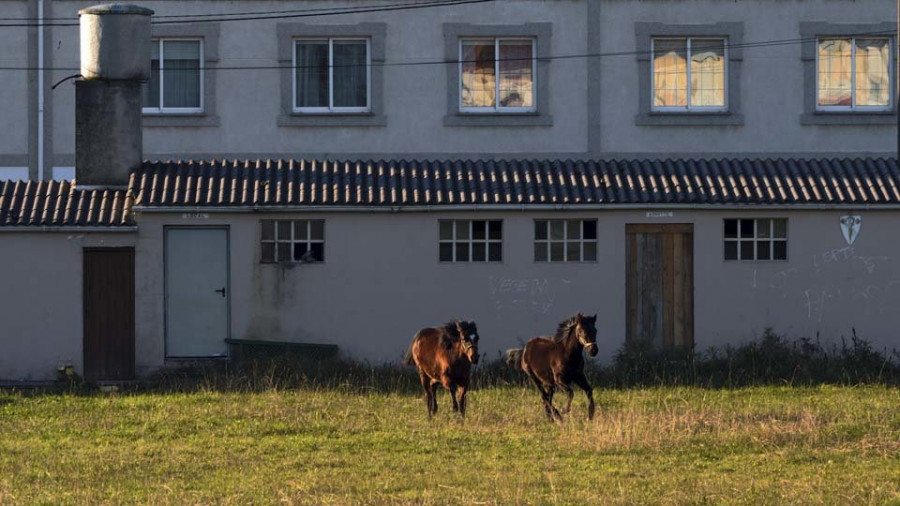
column 836, row 281
column 533, row 295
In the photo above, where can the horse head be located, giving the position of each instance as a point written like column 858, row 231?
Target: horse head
column 468, row 338
column 586, row 331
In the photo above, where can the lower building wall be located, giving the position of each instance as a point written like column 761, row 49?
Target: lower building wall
column 381, row 281
column 41, row 307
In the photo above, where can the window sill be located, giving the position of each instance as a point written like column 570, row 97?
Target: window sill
column 699, row 118
column 363, row 119
column 873, row 118
column 180, row 120
column 498, row 119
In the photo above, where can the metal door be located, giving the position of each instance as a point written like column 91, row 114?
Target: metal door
column 197, row 292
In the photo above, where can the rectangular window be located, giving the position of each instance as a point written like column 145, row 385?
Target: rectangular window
column 496, row 75
column 854, row 74
column 756, row 239
column 332, row 75
column 471, row 240
column 176, row 77
column 293, row 241
column 565, row 240
column 689, row 74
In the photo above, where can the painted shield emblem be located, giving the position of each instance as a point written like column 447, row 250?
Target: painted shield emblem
column 850, row 225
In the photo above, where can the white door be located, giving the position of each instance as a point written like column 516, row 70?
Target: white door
column 197, row 292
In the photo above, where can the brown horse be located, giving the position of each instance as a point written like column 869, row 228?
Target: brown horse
column 558, row 362
column 444, row 356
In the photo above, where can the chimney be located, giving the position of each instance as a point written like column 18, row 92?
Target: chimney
column 115, row 60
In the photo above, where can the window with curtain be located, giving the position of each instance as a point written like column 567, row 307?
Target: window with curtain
column 497, row 75
column 331, row 75
column 689, row 74
column 176, row 77
column 854, row 74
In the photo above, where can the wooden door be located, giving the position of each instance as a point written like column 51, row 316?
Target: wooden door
column 108, row 313
column 660, row 284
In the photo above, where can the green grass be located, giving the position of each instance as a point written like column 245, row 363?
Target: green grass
column 838, row 445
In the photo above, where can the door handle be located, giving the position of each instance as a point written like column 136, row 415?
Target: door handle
column 222, row 291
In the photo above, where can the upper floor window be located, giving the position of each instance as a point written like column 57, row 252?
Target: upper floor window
column 497, row 75
column 292, row 241
column 689, row 74
column 471, row 240
column 565, row 240
column 756, row 239
column 853, row 74
column 176, row 77
column 332, row 75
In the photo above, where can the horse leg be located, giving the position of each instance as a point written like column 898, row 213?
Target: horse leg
column 462, row 400
column 569, row 394
column 550, row 391
column 426, row 385
column 582, row 382
column 434, row 404
column 450, row 385
column 544, row 399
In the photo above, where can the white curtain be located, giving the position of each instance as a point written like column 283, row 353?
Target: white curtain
column 312, row 74
column 350, row 74
column 181, row 74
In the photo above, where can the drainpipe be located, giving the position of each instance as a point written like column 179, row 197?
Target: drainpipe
column 40, row 104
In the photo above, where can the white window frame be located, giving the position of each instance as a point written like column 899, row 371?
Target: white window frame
column 162, row 109
column 754, row 239
column 566, row 240
column 331, row 109
column 497, row 108
column 309, row 241
column 688, row 107
column 471, row 241
column 853, row 107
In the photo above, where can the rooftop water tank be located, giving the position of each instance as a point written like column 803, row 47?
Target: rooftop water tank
column 115, row 42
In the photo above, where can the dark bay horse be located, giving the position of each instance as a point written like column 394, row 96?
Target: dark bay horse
column 444, row 356
column 557, row 361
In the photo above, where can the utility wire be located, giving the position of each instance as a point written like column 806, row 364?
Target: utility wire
column 746, row 45
column 225, row 14
column 211, row 18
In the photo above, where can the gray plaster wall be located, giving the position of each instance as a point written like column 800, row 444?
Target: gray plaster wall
column 592, row 104
column 14, row 93
column 381, row 281
column 248, row 103
column 41, row 300
column 773, row 88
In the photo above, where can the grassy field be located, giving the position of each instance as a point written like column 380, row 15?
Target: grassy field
column 837, row 445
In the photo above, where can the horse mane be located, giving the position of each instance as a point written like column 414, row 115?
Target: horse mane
column 450, row 329
column 565, row 326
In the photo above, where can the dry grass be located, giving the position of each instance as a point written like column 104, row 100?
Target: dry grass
column 838, row 445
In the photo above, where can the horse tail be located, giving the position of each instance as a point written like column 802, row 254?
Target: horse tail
column 514, row 358
column 408, row 358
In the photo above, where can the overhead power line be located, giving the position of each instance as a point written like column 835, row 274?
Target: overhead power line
column 261, row 15
column 226, row 14
column 745, row 45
